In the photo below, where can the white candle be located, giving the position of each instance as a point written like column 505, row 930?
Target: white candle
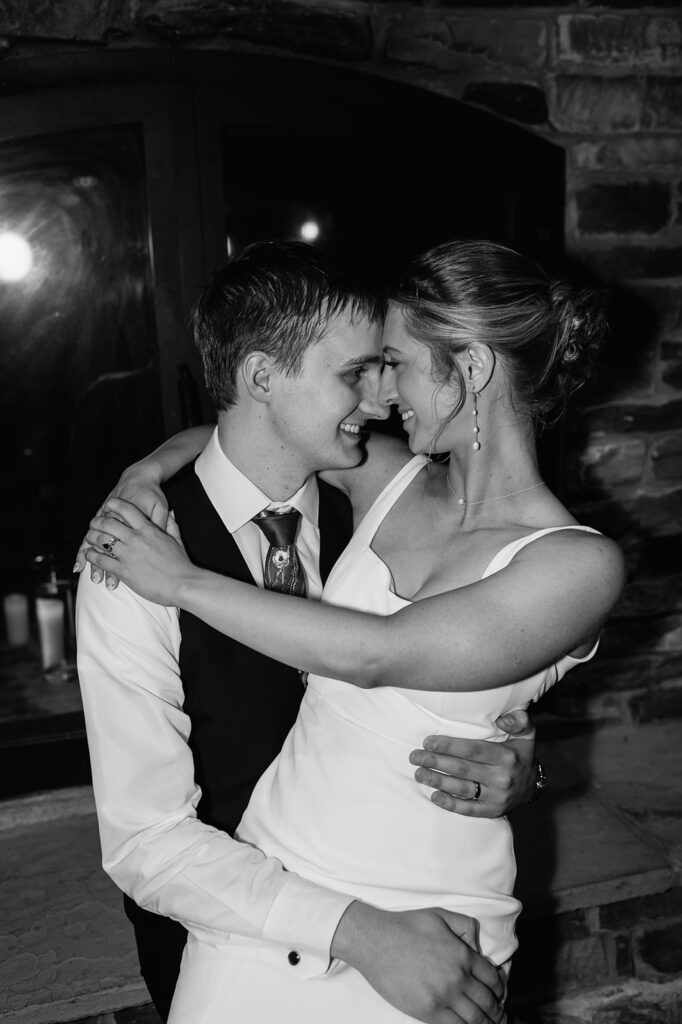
column 50, row 616
column 16, row 619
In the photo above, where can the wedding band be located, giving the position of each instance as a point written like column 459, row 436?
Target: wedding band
column 477, row 790
column 108, row 546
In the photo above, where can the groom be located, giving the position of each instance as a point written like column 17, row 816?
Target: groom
column 182, row 721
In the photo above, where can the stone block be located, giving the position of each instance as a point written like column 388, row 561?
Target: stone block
column 587, row 963
column 671, row 358
column 418, row 40
column 628, row 1002
column 633, row 417
column 632, row 207
column 655, row 514
column 662, row 103
column 627, row 263
column 654, row 596
column 656, row 555
column 671, row 351
column 665, row 302
column 471, row 42
column 323, row 29
column 660, row 949
column 625, row 5
column 145, row 1014
column 666, row 456
column 659, row 703
column 513, row 100
column 502, row 4
column 79, row 20
column 652, row 634
column 610, row 463
column 627, row 40
column 631, row 154
column 591, row 103
column 629, row 913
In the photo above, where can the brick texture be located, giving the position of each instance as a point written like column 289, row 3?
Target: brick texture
column 330, row 29
column 625, row 40
column 624, row 208
column 595, row 104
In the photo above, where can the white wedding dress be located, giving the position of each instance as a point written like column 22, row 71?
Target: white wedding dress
column 340, row 806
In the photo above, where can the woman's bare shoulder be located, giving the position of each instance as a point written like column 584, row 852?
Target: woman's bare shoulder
column 592, row 557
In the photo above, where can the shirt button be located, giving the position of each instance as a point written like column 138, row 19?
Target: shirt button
column 294, row 958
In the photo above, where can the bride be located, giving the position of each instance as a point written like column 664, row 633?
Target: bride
column 467, row 590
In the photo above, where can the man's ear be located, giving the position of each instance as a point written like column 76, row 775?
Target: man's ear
column 478, row 366
column 256, row 374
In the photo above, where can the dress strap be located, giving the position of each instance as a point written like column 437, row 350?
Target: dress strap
column 503, row 557
column 385, row 501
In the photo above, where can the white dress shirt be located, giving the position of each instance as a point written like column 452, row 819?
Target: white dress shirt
column 237, row 501
column 153, row 845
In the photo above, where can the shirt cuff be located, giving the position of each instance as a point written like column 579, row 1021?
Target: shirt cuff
column 303, row 920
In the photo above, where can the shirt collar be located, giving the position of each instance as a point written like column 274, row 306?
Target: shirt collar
column 237, row 499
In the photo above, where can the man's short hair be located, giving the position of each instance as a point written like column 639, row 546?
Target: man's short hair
column 277, row 298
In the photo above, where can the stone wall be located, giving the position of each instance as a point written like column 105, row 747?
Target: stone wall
column 604, row 81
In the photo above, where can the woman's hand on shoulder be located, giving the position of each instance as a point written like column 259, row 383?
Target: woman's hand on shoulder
column 124, row 543
column 139, row 485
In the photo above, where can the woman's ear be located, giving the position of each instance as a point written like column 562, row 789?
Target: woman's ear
column 479, row 364
column 256, row 376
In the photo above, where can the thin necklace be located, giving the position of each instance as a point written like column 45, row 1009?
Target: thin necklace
column 462, row 501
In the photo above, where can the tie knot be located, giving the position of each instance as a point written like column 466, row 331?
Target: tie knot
column 279, row 527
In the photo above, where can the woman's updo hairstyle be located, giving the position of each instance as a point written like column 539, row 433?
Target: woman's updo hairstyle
column 545, row 332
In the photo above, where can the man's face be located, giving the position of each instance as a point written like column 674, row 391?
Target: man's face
column 318, row 414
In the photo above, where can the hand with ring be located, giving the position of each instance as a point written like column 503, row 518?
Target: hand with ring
column 108, row 546
column 139, row 485
column 480, row 778
column 152, row 562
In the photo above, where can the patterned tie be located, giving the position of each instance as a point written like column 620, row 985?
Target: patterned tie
column 282, row 570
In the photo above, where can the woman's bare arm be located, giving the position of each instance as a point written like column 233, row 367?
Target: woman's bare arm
column 140, row 483
column 552, row 598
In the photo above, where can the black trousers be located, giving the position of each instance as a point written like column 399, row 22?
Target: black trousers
column 160, row 943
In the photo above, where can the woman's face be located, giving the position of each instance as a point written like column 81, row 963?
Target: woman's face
column 407, row 382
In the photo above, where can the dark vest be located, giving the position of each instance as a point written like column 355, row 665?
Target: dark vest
column 241, row 704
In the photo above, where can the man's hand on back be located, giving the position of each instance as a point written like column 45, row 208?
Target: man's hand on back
column 477, row 777
column 423, row 962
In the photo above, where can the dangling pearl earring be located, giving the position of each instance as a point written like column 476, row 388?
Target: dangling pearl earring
column 476, row 444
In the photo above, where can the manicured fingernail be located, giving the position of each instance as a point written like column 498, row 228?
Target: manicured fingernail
column 77, row 567
column 111, row 584
column 97, row 577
